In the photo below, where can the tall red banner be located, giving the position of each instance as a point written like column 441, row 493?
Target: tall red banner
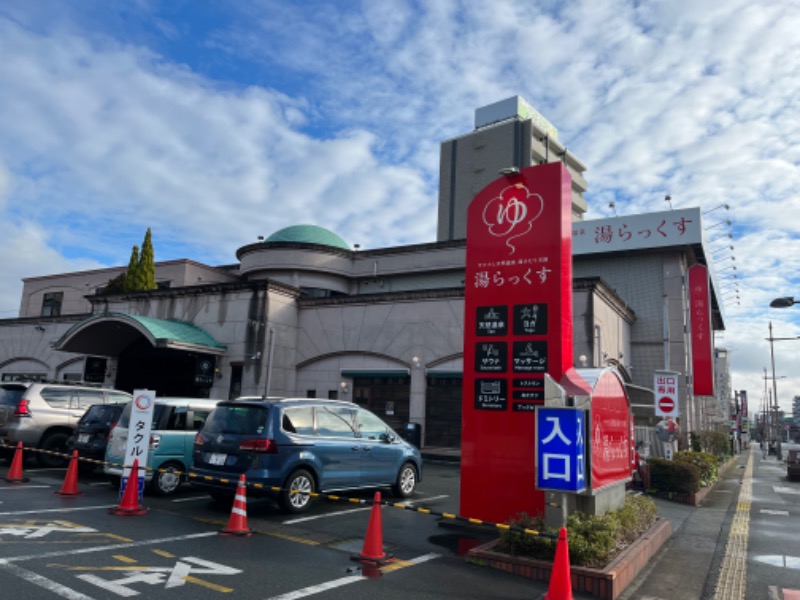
column 517, row 327
column 700, row 323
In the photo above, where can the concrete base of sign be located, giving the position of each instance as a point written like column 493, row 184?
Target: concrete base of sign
column 559, row 506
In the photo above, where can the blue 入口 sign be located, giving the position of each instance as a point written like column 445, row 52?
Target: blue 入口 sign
column 560, row 449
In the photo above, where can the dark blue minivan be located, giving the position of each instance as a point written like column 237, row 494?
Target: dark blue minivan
column 297, row 446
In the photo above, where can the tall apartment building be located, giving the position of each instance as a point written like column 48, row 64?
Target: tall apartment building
column 509, row 133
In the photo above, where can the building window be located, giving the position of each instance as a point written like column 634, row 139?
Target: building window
column 51, row 305
column 311, row 393
column 333, row 394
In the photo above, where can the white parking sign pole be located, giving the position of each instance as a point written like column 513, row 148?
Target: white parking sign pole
column 138, row 437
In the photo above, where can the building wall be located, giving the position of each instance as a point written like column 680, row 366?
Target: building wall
column 653, row 285
column 76, row 286
column 470, row 162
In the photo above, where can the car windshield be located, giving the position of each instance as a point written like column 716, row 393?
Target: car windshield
column 102, row 413
column 124, row 420
column 238, row 419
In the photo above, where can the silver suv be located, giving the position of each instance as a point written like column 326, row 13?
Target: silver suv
column 44, row 415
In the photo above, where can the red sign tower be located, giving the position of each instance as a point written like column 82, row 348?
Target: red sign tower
column 518, row 326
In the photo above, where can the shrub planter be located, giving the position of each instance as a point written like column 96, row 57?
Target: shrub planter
column 607, row 583
column 696, row 498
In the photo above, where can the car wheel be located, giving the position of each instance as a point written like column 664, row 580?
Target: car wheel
column 54, row 442
column 406, row 482
column 166, row 480
column 295, row 497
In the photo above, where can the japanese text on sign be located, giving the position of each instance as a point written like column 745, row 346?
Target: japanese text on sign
column 561, row 449
column 141, row 420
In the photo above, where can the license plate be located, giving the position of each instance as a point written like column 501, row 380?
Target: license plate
column 217, row 459
column 83, row 438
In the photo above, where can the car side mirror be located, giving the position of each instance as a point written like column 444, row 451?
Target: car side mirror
column 387, row 437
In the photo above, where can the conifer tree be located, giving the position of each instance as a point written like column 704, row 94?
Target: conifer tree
column 147, row 266
column 131, row 277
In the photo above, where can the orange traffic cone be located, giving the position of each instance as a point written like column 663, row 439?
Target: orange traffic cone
column 560, row 578
column 372, row 552
column 70, row 486
column 14, row 474
column 237, row 524
column 130, row 498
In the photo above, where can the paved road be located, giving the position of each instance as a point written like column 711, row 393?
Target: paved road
column 57, row 547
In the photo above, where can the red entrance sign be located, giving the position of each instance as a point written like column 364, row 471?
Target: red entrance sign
column 517, row 327
column 666, row 404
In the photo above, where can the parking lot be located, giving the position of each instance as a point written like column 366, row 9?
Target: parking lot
column 72, row 547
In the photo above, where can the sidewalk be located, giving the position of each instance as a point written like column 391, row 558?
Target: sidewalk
column 689, row 563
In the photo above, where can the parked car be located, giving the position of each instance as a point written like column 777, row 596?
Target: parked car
column 45, row 414
column 793, row 465
column 300, row 445
column 175, row 423
column 91, row 434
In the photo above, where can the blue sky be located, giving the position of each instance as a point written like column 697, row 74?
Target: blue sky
column 216, row 122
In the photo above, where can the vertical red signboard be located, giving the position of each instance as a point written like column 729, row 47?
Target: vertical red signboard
column 517, row 327
column 700, row 323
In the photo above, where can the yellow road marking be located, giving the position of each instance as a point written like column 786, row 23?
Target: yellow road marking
column 164, row 553
column 209, row 585
column 123, row 558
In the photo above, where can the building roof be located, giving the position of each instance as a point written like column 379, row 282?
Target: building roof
column 308, row 234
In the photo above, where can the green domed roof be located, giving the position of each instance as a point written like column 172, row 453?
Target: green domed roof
column 308, row 234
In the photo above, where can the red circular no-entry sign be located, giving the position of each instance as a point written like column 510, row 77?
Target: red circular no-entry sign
column 666, row 404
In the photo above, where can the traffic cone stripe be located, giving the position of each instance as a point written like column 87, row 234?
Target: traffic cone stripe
column 130, row 498
column 372, row 552
column 237, row 524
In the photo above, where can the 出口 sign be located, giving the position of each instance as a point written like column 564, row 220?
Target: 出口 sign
column 665, row 387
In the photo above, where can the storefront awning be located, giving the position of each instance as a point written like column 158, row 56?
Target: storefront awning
column 108, row 334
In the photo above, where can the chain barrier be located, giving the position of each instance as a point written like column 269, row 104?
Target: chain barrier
column 276, row 489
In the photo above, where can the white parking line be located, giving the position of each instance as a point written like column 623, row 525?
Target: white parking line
column 768, row 511
column 316, row 589
column 44, row 582
column 107, row 547
column 354, row 510
column 342, row 581
column 326, row 515
column 193, row 498
column 52, row 510
column 25, row 487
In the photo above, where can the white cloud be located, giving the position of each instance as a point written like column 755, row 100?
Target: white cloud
column 340, row 115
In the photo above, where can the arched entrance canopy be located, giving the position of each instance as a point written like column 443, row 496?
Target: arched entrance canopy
column 109, row 334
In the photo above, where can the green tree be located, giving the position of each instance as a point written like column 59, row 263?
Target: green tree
column 147, row 266
column 116, row 285
column 132, row 275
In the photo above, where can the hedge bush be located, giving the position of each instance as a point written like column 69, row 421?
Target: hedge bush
column 682, row 477
column 707, row 463
column 593, row 540
column 713, row 442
